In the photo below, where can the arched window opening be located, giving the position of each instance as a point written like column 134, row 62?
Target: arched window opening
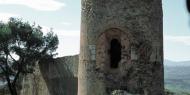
column 115, row 53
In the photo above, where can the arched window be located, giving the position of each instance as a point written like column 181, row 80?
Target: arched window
column 115, row 53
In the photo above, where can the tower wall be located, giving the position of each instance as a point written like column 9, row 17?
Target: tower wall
column 137, row 25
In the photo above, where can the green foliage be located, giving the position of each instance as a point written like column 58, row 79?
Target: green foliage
column 4, row 32
column 28, row 43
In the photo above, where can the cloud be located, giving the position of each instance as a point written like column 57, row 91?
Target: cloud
column 178, row 39
column 5, row 16
column 42, row 5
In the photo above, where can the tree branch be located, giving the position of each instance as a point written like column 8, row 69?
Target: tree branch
column 16, row 77
column 12, row 57
column 2, row 68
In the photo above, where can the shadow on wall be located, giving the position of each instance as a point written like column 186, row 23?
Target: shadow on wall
column 60, row 75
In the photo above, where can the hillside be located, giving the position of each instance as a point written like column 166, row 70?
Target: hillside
column 170, row 63
column 177, row 76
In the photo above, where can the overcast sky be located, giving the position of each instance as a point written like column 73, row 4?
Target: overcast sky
column 64, row 17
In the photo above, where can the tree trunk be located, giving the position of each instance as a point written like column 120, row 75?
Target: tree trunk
column 11, row 86
column 14, row 90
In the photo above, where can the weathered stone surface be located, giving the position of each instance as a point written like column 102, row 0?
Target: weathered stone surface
column 34, row 84
column 60, row 75
column 137, row 25
column 52, row 77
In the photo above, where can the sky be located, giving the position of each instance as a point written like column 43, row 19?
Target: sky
column 64, row 17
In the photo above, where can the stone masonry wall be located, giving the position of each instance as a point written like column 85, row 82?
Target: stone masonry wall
column 141, row 21
column 52, row 77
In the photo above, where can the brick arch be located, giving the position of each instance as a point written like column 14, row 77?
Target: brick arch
column 127, row 33
column 103, row 49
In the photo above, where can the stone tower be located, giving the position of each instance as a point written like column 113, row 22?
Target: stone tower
column 121, row 47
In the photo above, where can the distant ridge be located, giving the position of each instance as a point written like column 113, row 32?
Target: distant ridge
column 174, row 63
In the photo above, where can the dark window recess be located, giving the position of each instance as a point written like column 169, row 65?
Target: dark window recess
column 115, row 53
